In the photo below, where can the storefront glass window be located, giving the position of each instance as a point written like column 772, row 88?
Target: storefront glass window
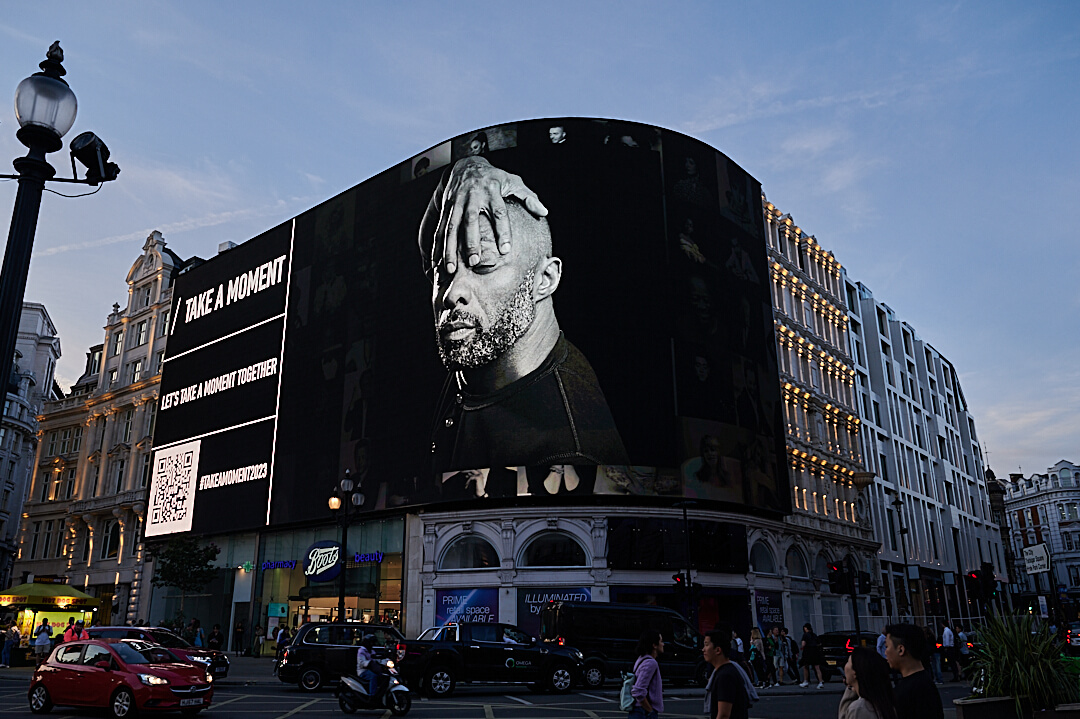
column 470, row 552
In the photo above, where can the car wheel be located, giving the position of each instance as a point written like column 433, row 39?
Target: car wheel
column 560, row 679
column 701, row 674
column 40, row 701
column 594, row 674
column 122, row 704
column 346, row 705
column 399, row 703
column 311, row 679
column 440, row 681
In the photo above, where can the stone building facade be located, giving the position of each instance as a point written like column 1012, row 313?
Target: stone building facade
column 93, row 462
column 37, row 350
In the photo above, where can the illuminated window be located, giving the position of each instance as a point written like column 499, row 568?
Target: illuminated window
column 117, row 343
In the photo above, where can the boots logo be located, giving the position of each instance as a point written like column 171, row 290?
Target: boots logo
column 321, row 561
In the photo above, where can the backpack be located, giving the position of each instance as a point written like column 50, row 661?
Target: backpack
column 626, row 699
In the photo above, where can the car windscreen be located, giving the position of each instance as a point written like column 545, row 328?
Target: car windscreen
column 168, row 639
column 142, row 653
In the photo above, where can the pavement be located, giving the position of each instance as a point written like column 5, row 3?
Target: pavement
column 259, row 671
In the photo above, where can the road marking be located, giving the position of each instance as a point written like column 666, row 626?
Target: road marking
column 528, row 704
column 591, row 714
column 298, row 709
column 593, row 696
column 230, row 701
column 488, row 714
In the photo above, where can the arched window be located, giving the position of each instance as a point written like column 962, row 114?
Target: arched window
column 470, row 552
column 761, row 559
column 796, row 565
column 821, row 566
column 554, row 550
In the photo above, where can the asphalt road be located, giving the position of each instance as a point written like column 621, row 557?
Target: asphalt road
column 283, row 702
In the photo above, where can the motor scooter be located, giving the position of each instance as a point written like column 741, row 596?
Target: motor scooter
column 390, row 693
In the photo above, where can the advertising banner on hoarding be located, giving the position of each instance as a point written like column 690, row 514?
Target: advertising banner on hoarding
column 559, row 308
column 770, row 609
column 467, row 606
column 532, row 600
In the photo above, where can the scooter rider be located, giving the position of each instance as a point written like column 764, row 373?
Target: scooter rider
column 363, row 658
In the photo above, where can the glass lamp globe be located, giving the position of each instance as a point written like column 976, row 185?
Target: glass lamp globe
column 45, row 102
column 334, row 503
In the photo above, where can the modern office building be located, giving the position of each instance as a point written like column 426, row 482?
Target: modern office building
column 929, row 502
column 37, row 350
column 84, row 517
column 1045, row 509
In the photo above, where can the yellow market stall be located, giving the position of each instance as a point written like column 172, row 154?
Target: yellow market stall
column 30, row 603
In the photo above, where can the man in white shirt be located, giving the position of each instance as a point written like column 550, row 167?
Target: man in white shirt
column 948, row 648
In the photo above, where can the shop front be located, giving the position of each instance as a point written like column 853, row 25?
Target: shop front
column 298, row 575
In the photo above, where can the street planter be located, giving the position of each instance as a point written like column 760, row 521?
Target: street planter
column 988, row 708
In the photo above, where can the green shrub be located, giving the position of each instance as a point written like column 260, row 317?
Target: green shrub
column 1021, row 660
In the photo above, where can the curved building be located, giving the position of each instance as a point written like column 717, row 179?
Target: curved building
column 546, row 356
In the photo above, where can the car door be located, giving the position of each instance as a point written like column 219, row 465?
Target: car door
column 485, row 658
column 341, row 654
column 96, row 685
column 521, row 653
column 62, row 673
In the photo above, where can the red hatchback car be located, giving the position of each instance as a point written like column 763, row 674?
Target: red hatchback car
column 124, row 676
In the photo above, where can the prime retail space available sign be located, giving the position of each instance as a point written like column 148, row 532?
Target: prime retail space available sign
column 467, row 606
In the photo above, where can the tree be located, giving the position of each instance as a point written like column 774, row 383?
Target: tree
column 184, row 564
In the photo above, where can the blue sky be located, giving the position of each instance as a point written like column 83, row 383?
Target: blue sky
column 932, row 147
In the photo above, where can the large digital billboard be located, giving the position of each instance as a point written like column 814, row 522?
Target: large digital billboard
column 550, row 308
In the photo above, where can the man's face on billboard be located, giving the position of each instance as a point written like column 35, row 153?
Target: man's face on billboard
column 557, row 134
column 481, row 311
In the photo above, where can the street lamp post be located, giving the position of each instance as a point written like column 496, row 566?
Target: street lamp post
column 45, row 107
column 898, row 505
column 343, row 510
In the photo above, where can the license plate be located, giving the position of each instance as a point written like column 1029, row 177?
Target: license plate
column 191, row 702
column 220, row 670
column 831, row 662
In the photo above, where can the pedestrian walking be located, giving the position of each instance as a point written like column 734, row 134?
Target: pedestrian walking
column 810, row 649
column 781, row 655
column 238, row 638
column 793, row 655
column 948, row 648
column 964, row 649
column 42, row 641
column 906, row 651
column 11, row 640
column 648, row 689
column 881, row 643
column 76, row 631
column 869, row 693
column 934, row 649
column 726, row 696
column 757, row 657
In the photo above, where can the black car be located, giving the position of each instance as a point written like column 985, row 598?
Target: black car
column 443, row 657
column 1072, row 640
column 607, row 635
column 836, row 646
column 216, row 662
column 320, row 653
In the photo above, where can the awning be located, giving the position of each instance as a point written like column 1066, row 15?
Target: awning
column 50, row 596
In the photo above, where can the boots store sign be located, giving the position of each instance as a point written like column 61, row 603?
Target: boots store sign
column 322, row 561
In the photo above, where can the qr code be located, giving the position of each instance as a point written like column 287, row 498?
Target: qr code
column 172, row 489
column 173, row 485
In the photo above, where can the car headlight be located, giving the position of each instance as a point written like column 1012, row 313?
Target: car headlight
column 578, row 654
column 209, row 678
column 153, row 679
column 389, row 663
column 201, row 660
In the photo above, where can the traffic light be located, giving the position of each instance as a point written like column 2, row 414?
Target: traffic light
column 987, row 582
column 840, row 579
column 973, row 585
column 680, row 582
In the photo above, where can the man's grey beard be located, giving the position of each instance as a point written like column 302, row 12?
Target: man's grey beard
column 512, row 319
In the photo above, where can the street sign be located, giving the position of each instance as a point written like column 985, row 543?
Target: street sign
column 1043, row 609
column 1037, row 559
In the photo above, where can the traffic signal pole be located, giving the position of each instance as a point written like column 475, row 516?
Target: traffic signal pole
column 853, row 585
